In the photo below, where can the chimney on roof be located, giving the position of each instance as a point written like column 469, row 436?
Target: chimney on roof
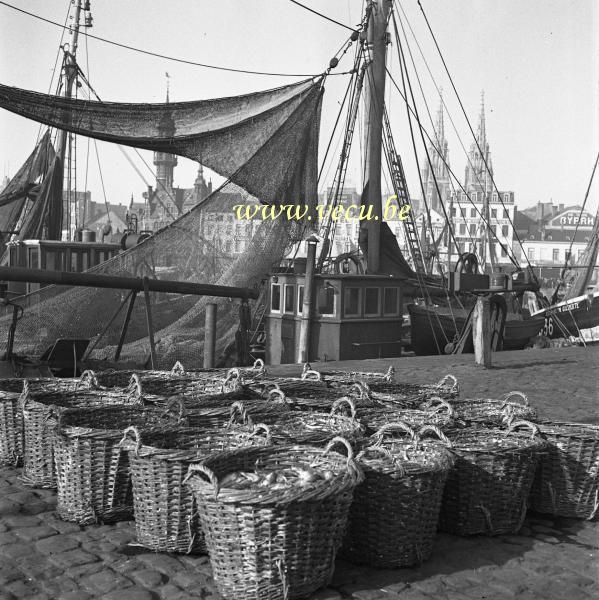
column 561, row 208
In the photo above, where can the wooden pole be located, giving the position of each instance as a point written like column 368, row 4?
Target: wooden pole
column 210, row 335
column 149, row 322
column 303, row 354
column 481, row 331
column 375, row 102
column 124, row 283
column 117, row 354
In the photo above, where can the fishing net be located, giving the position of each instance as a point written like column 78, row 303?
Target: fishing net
column 265, row 143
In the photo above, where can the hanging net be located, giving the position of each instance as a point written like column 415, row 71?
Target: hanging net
column 266, row 144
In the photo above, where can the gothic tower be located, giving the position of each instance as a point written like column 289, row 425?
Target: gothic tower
column 165, row 163
column 478, row 178
column 437, row 169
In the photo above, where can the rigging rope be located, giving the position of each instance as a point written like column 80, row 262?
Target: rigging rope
column 164, row 56
column 472, row 131
column 321, row 15
column 504, row 247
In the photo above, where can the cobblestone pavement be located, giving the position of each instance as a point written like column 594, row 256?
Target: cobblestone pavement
column 42, row 557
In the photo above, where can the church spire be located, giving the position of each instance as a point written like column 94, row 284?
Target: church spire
column 479, row 170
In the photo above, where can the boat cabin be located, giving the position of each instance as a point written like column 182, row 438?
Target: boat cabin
column 55, row 255
column 353, row 317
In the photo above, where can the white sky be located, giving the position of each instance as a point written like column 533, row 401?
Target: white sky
column 538, row 62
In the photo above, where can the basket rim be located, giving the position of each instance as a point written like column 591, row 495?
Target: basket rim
column 346, row 475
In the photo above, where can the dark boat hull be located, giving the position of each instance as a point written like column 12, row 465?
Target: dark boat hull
column 433, row 328
column 578, row 317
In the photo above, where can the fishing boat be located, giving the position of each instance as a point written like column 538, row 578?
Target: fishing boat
column 265, row 145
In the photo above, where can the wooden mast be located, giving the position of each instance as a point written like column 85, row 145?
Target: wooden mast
column 70, row 72
column 374, row 101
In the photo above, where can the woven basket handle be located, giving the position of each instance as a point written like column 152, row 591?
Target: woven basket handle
column 516, row 394
column 131, row 433
column 259, row 366
column 239, row 415
column 134, row 390
column 534, row 430
column 340, row 402
column 261, row 428
column 455, row 387
column 341, row 440
column 232, row 381
column 25, row 395
column 88, row 377
column 277, row 395
column 433, row 429
column 392, row 427
column 203, row 470
column 178, row 369
column 384, row 452
column 436, row 405
column 176, row 401
column 311, row 375
column 390, row 374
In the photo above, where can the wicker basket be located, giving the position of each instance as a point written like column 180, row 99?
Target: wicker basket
column 493, row 411
column 176, row 381
column 40, row 414
column 567, row 479
column 394, row 515
column 11, row 429
column 317, row 428
column 411, row 395
column 166, row 518
column 92, row 471
column 439, row 413
column 309, row 386
column 488, row 487
column 276, row 542
column 11, row 416
column 334, row 377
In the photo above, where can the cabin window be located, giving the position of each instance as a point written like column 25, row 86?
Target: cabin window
column 371, row 301
column 555, row 255
column 275, row 297
column 531, row 253
column 391, row 301
column 352, row 302
column 73, row 261
column 326, row 301
column 289, row 298
column 300, row 299
column 84, row 261
column 34, row 258
column 13, row 256
column 50, row 258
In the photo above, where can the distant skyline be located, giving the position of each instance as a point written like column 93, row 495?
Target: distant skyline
column 537, row 62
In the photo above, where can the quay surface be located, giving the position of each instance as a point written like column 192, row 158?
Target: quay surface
column 42, row 557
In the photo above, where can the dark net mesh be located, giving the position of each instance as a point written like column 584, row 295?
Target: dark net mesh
column 206, row 245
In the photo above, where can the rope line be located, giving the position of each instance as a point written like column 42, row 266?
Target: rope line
column 164, row 56
column 321, row 15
